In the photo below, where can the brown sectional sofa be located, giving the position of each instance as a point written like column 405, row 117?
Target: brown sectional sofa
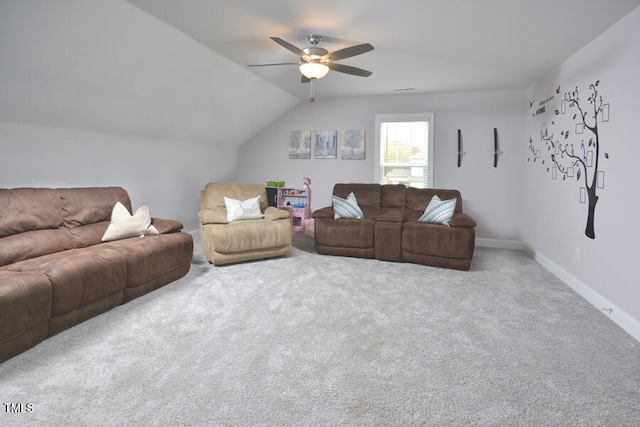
column 390, row 229
column 55, row 271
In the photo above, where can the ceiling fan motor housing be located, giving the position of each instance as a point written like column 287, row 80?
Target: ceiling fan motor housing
column 315, row 53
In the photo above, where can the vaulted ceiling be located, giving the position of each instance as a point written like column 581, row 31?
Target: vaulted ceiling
column 106, row 66
column 177, row 70
column 427, row 45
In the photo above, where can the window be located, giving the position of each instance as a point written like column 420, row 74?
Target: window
column 404, row 149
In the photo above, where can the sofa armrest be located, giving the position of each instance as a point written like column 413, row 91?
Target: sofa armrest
column 273, row 213
column 166, row 226
column 462, row 220
column 326, row 212
column 217, row 216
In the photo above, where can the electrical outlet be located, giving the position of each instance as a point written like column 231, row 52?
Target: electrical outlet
column 577, row 255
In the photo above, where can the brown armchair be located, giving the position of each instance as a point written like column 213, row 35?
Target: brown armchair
column 225, row 242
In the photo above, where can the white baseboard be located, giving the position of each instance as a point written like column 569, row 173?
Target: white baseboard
column 622, row 319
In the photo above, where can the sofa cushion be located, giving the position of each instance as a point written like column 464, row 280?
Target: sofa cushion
column 417, row 200
column 243, row 209
column 392, row 195
column 89, row 234
column 212, row 197
column 27, row 209
column 346, row 208
column 347, row 232
column 368, row 196
column 124, row 225
column 439, row 211
column 25, row 305
column 392, row 198
column 152, row 257
column 32, row 244
column 425, row 238
column 79, row 276
column 249, row 235
column 81, row 206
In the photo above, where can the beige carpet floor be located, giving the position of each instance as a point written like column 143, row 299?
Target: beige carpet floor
column 334, row 341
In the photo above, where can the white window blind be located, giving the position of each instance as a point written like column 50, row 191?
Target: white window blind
column 404, row 145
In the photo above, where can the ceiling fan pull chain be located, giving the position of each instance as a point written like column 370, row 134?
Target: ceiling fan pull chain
column 313, row 91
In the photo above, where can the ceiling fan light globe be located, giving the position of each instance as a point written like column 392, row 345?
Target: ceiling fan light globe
column 314, row 70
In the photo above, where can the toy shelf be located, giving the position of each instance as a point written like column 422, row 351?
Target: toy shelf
column 296, row 201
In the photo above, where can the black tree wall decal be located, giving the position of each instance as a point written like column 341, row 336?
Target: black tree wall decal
column 581, row 161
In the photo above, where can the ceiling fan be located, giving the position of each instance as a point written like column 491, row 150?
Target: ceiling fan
column 315, row 62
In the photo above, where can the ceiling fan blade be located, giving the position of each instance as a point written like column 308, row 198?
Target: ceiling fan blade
column 349, row 69
column 274, row 63
column 347, row 52
column 301, row 53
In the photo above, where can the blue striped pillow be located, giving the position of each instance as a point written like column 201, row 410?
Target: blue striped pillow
column 346, row 208
column 439, row 211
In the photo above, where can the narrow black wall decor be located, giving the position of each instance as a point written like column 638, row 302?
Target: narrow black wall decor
column 459, row 147
column 496, row 150
column 575, row 153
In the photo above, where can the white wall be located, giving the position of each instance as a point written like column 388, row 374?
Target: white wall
column 492, row 195
column 109, row 67
column 168, row 175
column 555, row 219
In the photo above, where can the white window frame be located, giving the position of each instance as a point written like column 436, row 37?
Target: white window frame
column 406, row 117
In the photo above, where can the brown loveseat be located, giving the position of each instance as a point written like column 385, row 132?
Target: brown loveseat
column 390, row 229
column 55, row 271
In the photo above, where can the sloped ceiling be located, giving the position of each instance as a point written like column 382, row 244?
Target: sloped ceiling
column 176, row 69
column 424, row 45
column 107, row 66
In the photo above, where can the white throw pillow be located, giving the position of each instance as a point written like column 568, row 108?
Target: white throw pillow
column 246, row 209
column 346, row 208
column 124, row 225
column 439, row 211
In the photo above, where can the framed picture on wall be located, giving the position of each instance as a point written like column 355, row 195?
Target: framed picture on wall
column 353, row 144
column 300, row 144
column 325, row 144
